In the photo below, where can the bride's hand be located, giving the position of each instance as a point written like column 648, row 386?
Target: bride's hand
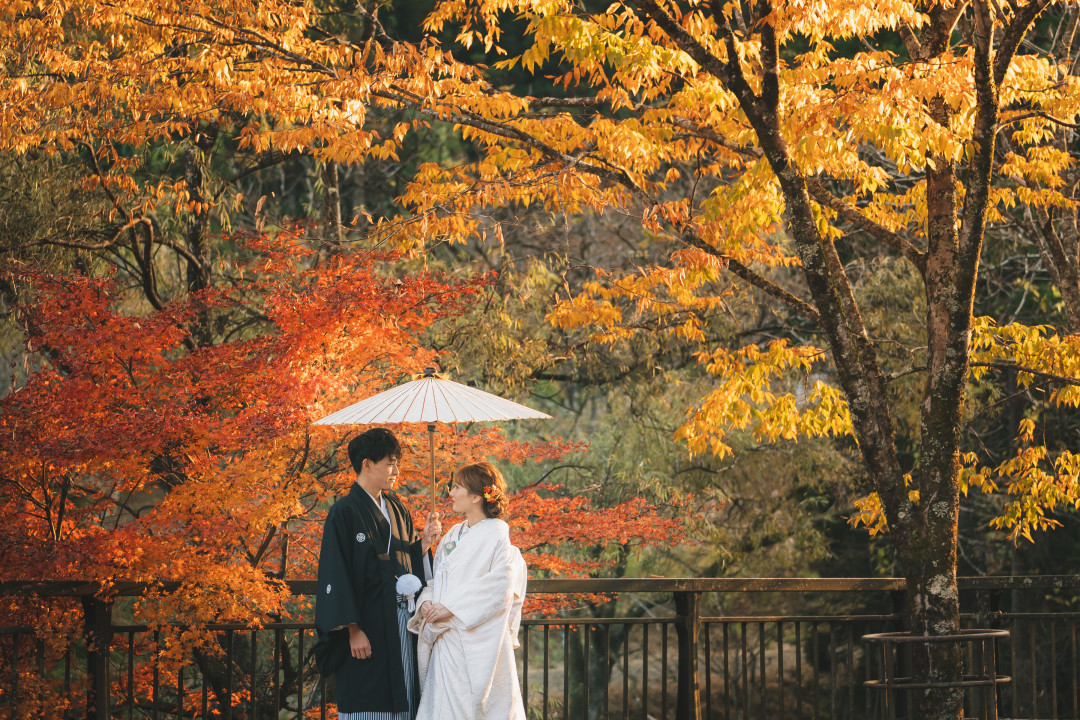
column 437, row 612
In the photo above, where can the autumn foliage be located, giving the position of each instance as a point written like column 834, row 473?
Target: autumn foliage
column 792, row 156
column 133, row 455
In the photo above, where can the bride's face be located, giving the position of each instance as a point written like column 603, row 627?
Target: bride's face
column 462, row 498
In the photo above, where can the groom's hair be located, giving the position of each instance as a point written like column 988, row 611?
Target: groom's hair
column 484, row 479
column 374, row 445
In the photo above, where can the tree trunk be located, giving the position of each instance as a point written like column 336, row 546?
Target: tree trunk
column 332, row 228
column 933, row 608
column 922, row 517
column 198, row 225
column 1060, row 250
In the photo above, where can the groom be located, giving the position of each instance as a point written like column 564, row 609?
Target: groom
column 368, row 543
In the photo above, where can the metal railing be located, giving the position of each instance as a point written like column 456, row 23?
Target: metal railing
column 678, row 655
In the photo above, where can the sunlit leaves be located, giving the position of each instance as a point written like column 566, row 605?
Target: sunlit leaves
column 646, row 131
column 822, row 18
column 745, row 399
column 1037, row 353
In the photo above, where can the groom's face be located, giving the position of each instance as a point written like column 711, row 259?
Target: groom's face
column 383, row 474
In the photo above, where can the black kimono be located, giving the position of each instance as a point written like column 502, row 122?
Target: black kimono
column 357, row 579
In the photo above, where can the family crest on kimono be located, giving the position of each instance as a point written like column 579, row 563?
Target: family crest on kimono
column 370, row 555
column 469, row 613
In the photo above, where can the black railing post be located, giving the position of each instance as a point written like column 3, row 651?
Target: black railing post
column 688, row 609
column 987, row 608
column 818, row 652
column 97, row 626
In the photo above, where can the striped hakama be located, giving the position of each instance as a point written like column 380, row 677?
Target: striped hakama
column 408, row 663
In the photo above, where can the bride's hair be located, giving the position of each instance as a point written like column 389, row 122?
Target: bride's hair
column 484, row 479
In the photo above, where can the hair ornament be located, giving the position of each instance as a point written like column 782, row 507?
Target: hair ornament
column 492, row 494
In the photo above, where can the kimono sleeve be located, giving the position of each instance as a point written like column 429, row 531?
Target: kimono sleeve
column 428, row 592
column 487, row 595
column 340, row 586
column 519, row 580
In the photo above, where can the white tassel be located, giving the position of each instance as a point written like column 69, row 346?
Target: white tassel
column 407, row 587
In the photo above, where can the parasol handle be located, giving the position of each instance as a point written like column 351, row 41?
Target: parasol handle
column 429, row 371
column 431, row 447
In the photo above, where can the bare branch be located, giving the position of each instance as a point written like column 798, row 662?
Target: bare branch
column 905, row 373
column 981, row 163
column 144, row 256
column 770, row 70
column 74, row 244
column 1066, row 31
column 259, row 554
column 272, row 159
column 739, row 19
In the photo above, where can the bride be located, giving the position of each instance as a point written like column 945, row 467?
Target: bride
column 468, row 615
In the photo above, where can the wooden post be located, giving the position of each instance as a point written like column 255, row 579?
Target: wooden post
column 98, row 634
column 688, row 609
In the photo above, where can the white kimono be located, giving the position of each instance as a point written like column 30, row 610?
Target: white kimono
column 467, row 666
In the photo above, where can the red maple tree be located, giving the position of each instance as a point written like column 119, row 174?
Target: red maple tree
column 135, row 452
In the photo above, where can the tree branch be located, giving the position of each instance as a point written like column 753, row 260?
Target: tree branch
column 578, row 102
column 706, row 133
column 144, row 256
column 74, row 244
column 1031, row 371
column 685, row 41
column 852, row 215
column 770, row 70
column 911, row 42
column 272, row 159
column 261, row 552
column 981, row 164
column 795, row 303
column 938, row 32
column 1038, row 113
column 1066, row 31
column 464, row 117
column 1014, row 34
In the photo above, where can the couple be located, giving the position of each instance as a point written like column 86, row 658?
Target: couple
column 458, row 660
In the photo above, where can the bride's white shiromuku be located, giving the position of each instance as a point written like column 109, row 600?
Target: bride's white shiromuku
column 466, row 662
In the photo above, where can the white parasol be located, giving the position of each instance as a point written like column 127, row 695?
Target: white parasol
column 431, row 399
